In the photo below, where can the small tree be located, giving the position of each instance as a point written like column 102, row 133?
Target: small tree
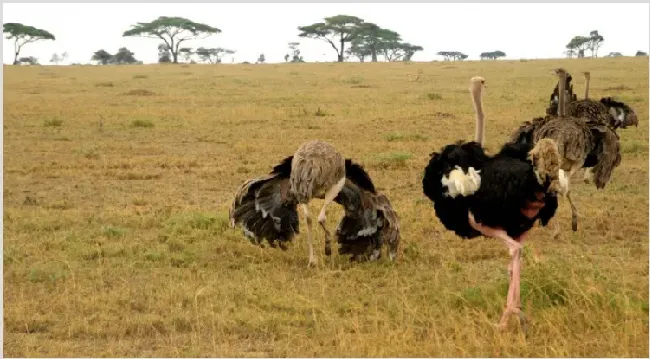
column 295, row 53
column 124, row 56
column 56, row 58
column 336, row 29
column 24, row 34
column 579, row 44
column 164, row 55
column 492, row 55
column 102, row 57
column 187, row 53
column 614, row 54
column 641, row 53
column 452, row 55
column 173, row 31
column 260, row 59
column 398, row 51
column 30, row 60
column 212, row 55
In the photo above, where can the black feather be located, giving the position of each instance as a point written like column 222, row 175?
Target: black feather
column 266, row 209
column 452, row 212
column 355, row 173
column 284, row 168
column 508, row 181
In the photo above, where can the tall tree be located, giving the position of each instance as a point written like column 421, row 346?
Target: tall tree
column 336, row 29
column 372, row 38
column 595, row 41
column 173, row 31
column 24, row 34
column 641, row 53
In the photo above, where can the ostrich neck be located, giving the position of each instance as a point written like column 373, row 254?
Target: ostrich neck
column 562, row 94
column 478, row 109
column 587, row 89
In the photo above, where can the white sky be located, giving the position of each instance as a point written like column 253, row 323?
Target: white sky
column 520, row 30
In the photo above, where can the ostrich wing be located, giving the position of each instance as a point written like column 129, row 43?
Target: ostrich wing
column 264, row 207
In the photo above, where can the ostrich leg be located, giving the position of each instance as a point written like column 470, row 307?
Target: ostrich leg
column 312, row 259
column 329, row 197
column 513, row 305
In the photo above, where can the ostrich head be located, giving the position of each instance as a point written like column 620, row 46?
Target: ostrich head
column 476, row 85
column 587, row 75
column 623, row 114
column 553, row 109
column 546, row 160
column 562, row 76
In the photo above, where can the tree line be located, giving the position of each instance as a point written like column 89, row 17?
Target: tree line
column 348, row 36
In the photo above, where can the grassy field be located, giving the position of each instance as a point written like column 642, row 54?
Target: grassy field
column 118, row 180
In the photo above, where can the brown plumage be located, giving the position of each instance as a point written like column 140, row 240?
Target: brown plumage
column 599, row 114
column 607, row 111
column 581, row 141
column 369, row 223
column 266, row 207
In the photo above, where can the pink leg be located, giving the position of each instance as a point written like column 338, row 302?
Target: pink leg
column 513, row 305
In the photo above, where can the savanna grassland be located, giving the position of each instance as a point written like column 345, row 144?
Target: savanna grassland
column 118, row 180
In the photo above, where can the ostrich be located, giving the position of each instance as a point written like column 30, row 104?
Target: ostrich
column 266, row 207
column 500, row 196
column 582, row 142
column 614, row 113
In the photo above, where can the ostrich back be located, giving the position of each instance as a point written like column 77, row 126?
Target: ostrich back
column 594, row 110
column 572, row 135
column 315, row 168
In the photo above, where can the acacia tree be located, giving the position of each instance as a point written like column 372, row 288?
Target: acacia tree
column 452, row 55
column 22, row 35
column 492, row 55
column 370, row 39
column 579, row 44
column 336, row 29
column 102, row 57
column 212, row 55
column 173, row 31
column 398, row 51
column 595, row 42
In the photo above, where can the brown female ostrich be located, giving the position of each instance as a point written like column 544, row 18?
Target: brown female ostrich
column 266, row 207
column 582, row 142
column 607, row 111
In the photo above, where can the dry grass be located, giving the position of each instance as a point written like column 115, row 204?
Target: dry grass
column 116, row 240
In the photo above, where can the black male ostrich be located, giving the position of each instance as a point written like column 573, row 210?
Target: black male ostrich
column 500, row 196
